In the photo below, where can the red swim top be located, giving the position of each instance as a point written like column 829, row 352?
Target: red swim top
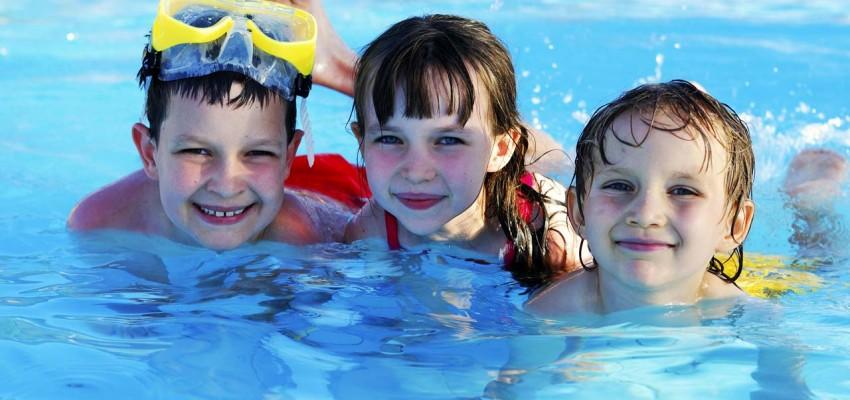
column 526, row 208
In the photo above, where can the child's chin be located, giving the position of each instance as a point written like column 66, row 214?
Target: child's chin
column 420, row 229
column 221, row 242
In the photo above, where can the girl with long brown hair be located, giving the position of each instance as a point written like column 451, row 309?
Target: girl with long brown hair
column 444, row 150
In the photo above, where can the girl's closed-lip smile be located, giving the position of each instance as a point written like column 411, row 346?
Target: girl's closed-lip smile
column 419, row 201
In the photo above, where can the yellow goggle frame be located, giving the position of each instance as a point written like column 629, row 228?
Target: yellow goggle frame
column 168, row 31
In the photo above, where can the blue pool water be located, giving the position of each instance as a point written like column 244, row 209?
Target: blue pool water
column 121, row 315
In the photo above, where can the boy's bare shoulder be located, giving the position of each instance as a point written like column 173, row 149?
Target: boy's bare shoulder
column 368, row 222
column 573, row 293
column 307, row 218
column 131, row 203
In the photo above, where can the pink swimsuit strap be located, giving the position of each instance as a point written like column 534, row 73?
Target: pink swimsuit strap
column 525, row 206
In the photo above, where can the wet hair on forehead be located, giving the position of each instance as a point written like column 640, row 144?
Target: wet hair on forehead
column 214, row 89
column 438, row 92
column 641, row 121
column 437, row 60
column 681, row 109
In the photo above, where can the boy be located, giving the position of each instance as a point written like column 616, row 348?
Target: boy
column 221, row 137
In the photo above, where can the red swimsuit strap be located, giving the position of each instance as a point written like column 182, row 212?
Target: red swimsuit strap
column 526, row 210
column 392, row 231
column 525, row 206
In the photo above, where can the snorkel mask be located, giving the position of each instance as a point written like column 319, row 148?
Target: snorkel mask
column 271, row 43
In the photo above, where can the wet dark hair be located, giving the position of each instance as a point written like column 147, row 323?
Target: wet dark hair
column 213, row 88
column 417, row 52
column 695, row 114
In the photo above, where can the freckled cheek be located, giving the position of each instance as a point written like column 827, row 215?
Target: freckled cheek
column 604, row 207
column 381, row 161
column 462, row 168
column 266, row 173
column 696, row 215
column 266, row 181
column 184, row 177
column 696, row 218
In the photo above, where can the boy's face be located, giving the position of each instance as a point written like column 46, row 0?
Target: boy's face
column 656, row 215
column 220, row 169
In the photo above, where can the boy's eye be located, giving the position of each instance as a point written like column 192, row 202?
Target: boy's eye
column 388, row 139
column 618, row 186
column 261, row 153
column 195, row 151
column 683, row 191
column 449, row 140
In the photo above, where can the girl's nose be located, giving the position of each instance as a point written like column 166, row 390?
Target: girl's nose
column 418, row 166
column 647, row 210
column 227, row 178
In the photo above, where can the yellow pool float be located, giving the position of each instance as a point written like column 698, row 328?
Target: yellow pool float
column 770, row 276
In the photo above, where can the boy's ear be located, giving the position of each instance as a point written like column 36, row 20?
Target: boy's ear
column 576, row 219
column 146, row 148
column 503, row 150
column 741, row 225
column 292, row 148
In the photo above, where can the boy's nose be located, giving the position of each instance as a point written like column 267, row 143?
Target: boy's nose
column 227, row 179
column 647, row 210
column 418, row 167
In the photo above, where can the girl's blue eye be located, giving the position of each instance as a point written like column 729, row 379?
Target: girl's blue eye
column 449, row 141
column 388, row 139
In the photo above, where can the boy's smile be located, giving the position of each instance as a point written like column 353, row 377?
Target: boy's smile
column 222, row 215
column 221, row 169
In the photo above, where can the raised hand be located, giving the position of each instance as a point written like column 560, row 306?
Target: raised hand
column 334, row 66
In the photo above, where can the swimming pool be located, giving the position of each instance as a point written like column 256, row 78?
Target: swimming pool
column 117, row 314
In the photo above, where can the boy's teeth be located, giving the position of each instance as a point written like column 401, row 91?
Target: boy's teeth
column 220, row 214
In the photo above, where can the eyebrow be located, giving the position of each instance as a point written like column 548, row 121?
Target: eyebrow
column 606, row 169
column 628, row 172
column 186, row 137
column 190, row 138
column 684, row 175
column 266, row 142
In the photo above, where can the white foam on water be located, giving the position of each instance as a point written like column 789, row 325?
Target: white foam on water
column 776, row 138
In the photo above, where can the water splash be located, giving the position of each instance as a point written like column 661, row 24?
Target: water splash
column 659, row 62
column 778, row 136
